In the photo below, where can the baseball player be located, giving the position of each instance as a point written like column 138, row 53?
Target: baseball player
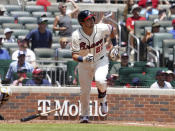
column 88, row 48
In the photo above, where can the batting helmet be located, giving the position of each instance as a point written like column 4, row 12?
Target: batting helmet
column 84, row 15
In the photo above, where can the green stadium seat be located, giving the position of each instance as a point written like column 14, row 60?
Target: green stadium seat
column 139, row 27
column 12, row 26
column 19, row 32
column 4, row 65
column 64, row 54
column 30, row 26
column 140, row 63
column 11, row 7
column 20, row 13
column 168, row 50
column 158, row 40
column 27, row 20
column 9, row 45
column 6, row 19
column 33, row 8
column 39, row 14
column 71, row 67
column 152, row 70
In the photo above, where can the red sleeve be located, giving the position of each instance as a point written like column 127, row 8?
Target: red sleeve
column 128, row 22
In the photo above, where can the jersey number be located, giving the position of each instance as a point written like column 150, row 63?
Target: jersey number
column 98, row 49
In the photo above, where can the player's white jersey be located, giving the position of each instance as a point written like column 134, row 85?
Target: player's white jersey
column 94, row 44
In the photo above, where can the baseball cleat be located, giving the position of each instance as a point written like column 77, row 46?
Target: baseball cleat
column 84, row 119
column 104, row 108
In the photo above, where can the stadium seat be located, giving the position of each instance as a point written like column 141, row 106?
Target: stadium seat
column 12, row 26
column 39, row 14
column 71, row 69
column 55, row 46
column 18, row 32
column 153, row 17
column 44, row 53
column 74, row 21
column 64, row 54
column 9, row 45
column 55, row 39
column 50, row 26
column 52, row 8
column 11, row 7
column 27, row 20
column 172, row 17
column 20, row 13
column 167, row 51
column 6, row 19
column 30, row 26
column 139, row 27
column 158, row 39
column 4, row 64
column 33, row 8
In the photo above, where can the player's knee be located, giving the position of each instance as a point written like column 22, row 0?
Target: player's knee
column 101, row 94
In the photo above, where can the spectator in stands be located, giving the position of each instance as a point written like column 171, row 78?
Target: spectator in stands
column 21, row 76
column 114, row 72
column 8, row 36
column 40, row 37
column 29, row 54
column 162, row 14
column 130, row 20
column 128, row 8
column 63, row 23
column 148, row 38
column 64, row 43
column 173, row 30
column 4, row 54
column 171, row 10
column 161, row 83
column 38, row 79
column 44, row 3
column 15, row 65
column 2, row 10
column 149, row 10
column 170, row 77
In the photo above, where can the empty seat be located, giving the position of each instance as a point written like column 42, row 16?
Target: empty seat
column 17, row 32
column 33, row 8
column 30, row 26
column 64, row 54
column 52, row 8
column 158, row 39
column 6, row 19
column 11, row 7
column 55, row 39
column 12, row 50
column 152, row 17
column 10, row 45
column 4, row 2
column 44, row 53
column 12, row 26
column 39, row 14
column 27, row 20
column 50, row 26
column 20, row 13
column 168, row 50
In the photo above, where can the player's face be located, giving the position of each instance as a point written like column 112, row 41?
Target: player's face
column 89, row 23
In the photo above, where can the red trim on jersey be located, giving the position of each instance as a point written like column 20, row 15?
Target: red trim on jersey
column 91, row 15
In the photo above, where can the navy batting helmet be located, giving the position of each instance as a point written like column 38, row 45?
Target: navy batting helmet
column 84, row 15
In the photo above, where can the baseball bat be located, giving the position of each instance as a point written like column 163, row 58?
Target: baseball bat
column 37, row 115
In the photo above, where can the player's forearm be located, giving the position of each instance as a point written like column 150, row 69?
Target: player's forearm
column 77, row 58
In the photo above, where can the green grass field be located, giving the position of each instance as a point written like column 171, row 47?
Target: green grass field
column 75, row 127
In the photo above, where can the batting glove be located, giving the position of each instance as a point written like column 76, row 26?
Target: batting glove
column 114, row 53
column 88, row 58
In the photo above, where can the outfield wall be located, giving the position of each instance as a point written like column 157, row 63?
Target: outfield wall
column 124, row 104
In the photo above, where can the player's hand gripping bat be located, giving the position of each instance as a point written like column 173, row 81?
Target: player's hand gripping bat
column 37, row 115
